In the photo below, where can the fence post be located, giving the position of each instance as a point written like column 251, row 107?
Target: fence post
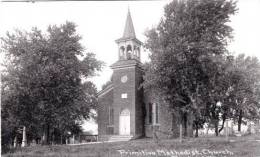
column 15, row 141
column 24, row 140
column 226, row 130
column 181, row 132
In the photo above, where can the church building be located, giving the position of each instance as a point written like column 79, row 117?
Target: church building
column 125, row 110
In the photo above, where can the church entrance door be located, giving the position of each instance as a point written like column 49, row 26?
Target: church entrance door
column 124, row 122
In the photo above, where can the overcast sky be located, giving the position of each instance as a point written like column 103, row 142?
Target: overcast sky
column 101, row 23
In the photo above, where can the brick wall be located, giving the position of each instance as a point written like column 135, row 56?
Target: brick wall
column 140, row 106
column 137, row 102
column 104, row 102
column 168, row 126
column 123, row 103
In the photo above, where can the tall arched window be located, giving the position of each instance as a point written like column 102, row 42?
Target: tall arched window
column 129, row 51
column 129, row 48
column 153, row 113
column 122, row 52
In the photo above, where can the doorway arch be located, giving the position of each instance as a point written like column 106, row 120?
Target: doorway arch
column 124, row 122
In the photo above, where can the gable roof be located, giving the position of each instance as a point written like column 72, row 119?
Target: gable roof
column 105, row 90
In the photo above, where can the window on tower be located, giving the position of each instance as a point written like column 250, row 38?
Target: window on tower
column 129, row 51
column 122, row 52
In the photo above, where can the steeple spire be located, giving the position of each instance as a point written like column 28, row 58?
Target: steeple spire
column 128, row 45
column 129, row 31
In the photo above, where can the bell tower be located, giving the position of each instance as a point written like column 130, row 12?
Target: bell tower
column 128, row 45
column 127, row 77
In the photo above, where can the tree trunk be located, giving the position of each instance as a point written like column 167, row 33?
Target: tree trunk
column 48, row 134
column 223, row 122
column 185, row 121
column 52, row 141
column 45, row 135
column 173, row 124
column 216, row 127
column 191, row 121
column 61, row 140
column 240, row 120
column 197, row 130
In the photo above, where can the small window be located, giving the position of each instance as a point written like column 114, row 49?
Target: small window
column 129, row 48
column 122, row 51
column 124, row 95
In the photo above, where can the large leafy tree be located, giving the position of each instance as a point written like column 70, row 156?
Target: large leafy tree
column 244, row 89
column 43, row 82
column 187, row 49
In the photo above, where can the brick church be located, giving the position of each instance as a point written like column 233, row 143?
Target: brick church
column 124, row 108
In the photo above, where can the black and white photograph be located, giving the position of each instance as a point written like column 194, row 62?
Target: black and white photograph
column 130, row 78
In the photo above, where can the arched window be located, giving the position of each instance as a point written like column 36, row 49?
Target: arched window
column 125, row 112
column 122, row 52
column 129, row 51
column 129, row 48
column 153, row 113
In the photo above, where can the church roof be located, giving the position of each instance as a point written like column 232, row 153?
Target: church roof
column 129, row 31
column 105, row 90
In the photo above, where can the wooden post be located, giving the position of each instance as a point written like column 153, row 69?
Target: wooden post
column 249, row 128
column 232, row 127
column 181, row 132
column 73, row 139
column 24, row 141
column 15, row 141
column 226, row 130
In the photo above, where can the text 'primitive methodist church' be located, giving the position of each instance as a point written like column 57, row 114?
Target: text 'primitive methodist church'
column 125, row 110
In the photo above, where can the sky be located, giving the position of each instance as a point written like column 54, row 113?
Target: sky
column 101, row 23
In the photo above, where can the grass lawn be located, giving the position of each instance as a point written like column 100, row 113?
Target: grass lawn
column 246, row 146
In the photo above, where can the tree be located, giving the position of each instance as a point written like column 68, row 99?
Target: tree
column 245, row 87
column 186, row 49
column 43, row 80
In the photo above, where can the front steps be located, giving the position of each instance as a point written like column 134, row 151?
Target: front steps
column 117, row 138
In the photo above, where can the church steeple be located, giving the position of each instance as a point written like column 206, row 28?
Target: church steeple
column 128, row 45
column 129, row 31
